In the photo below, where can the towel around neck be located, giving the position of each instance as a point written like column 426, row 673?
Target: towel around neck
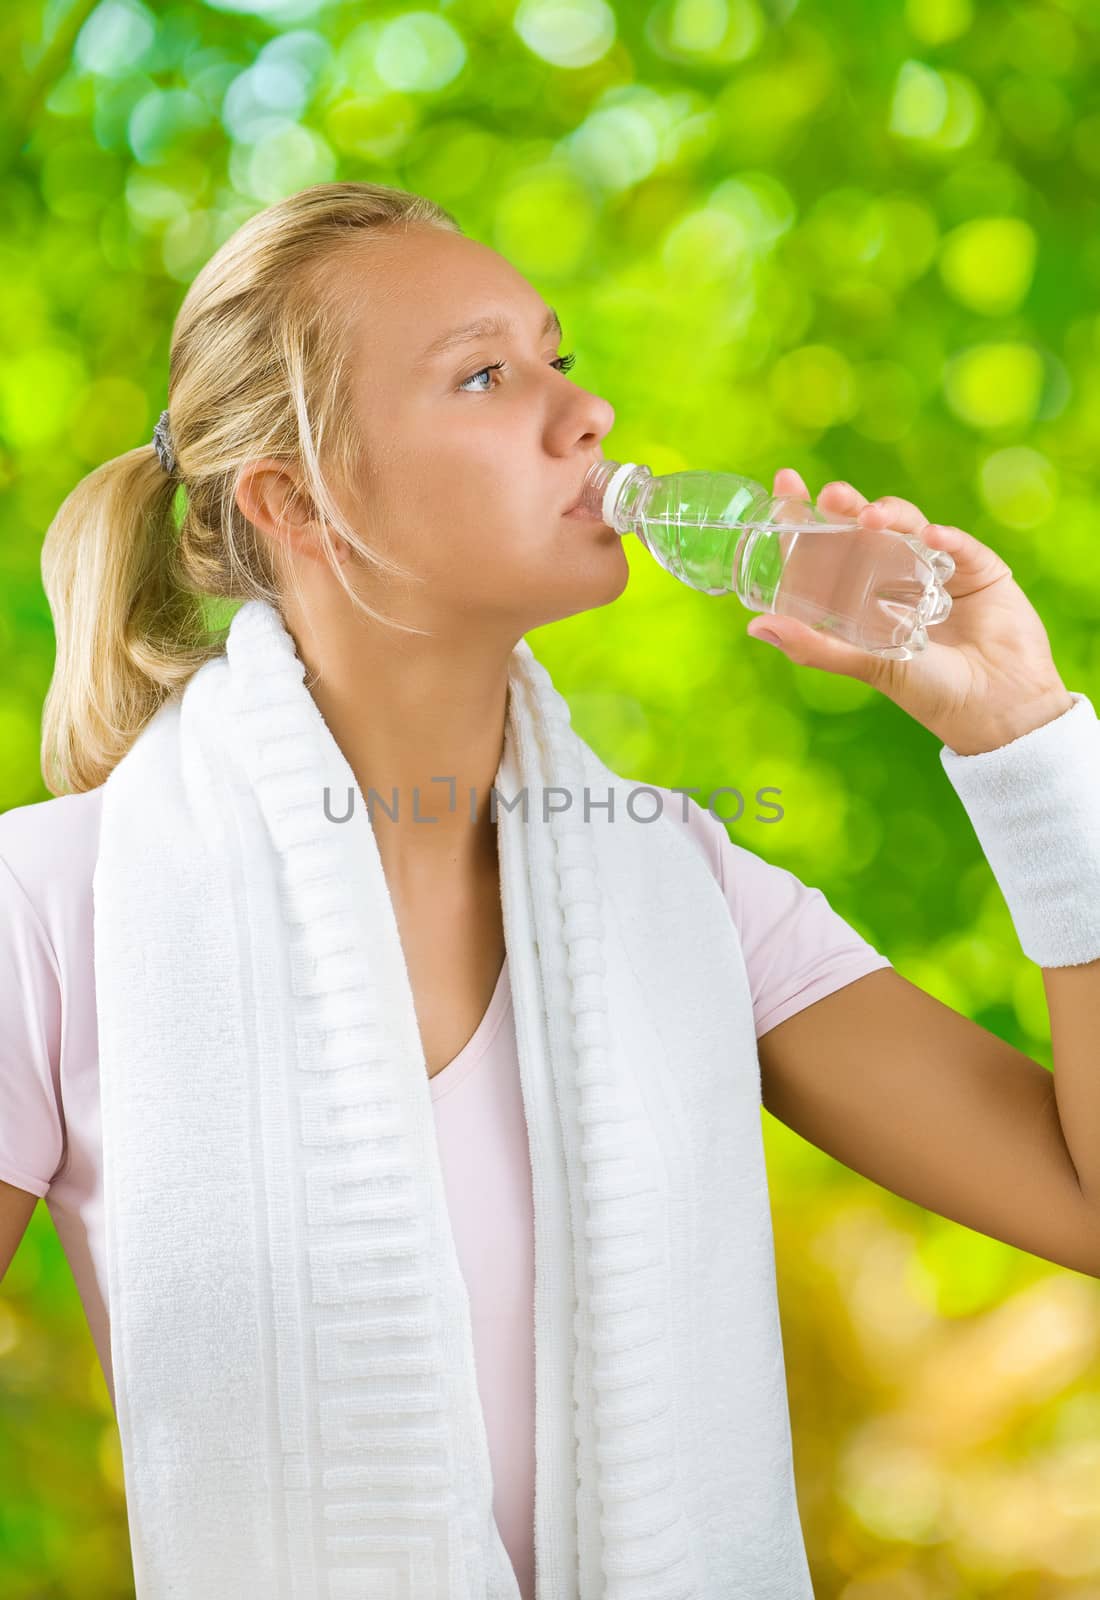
column 290, row 1332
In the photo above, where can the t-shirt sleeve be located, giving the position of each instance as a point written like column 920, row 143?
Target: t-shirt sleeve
column 797, row 949
column 32, row 1141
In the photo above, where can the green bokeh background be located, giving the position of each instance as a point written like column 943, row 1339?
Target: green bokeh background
column 861, row 239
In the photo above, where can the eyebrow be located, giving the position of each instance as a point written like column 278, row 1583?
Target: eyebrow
column 482, row 328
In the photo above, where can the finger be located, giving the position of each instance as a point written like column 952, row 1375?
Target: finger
column 976, row 564
column 842, row 497
column 814, row 647
column 788, row 482
column 890, row 511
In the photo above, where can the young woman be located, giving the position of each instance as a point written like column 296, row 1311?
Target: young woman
column 410, row 1168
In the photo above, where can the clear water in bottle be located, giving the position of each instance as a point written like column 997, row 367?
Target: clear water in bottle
column 722, row 533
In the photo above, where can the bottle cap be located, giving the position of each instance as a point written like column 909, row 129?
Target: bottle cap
column 611, row 493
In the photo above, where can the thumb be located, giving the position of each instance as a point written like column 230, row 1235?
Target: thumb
column 815, row 647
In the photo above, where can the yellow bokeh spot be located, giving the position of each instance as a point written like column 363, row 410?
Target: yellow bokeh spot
column 721, row 30
column 704, row 245
column 1071, row 557
column 814, row 387
column 19, row 732
column 545, row 221
column 760, row 110
column 281, row 162
column 453, row 157
column 38, row 386
column 567, row 33
column 419, row 52
column 760, row 202
column 965, row 114
column 994, row 385
column 942, row 109
column 937, row 21
column 1019, row 486
column 698, row 24
column 919, row 105
column 988, row 264
column 373, row 128
column 619, row 144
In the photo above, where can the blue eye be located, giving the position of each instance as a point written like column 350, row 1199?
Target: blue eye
column 563, row 364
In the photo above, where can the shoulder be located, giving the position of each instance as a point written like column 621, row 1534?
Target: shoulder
column 704, row 831
column 727, row 863
column 768, row 902
column 796, row 947
column 743, row 875
column 52, row 837
column 47, row 859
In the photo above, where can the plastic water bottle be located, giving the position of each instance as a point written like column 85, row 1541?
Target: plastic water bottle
column 725, row 534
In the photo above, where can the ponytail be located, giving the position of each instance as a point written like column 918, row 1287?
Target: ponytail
column 129, row 634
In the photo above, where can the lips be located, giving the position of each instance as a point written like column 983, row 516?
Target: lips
column 574, row 504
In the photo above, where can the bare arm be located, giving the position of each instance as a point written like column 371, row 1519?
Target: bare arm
column 935, row 1108
column 882, row 1075
column 1073, row 1005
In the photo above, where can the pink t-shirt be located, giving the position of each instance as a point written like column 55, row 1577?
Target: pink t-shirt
column 797, row 950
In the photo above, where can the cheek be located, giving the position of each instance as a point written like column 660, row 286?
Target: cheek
column 461, row 508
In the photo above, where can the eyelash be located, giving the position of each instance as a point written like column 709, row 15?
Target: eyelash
column 563, row 363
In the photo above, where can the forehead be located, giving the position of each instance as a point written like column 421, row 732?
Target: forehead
column 410, row 289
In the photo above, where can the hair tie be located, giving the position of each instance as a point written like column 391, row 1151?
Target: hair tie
column 162, row 443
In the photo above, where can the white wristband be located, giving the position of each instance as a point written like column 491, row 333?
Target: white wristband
column 1035, row 807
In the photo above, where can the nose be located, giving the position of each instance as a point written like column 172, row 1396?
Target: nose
column 597, row 413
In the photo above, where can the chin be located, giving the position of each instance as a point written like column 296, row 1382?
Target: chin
column 571, row 578
column 587, row 592
column 622, row 578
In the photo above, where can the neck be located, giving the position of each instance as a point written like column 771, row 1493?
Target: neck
column 420, row 722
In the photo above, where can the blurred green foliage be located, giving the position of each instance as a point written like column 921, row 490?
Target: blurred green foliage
column 859, row 238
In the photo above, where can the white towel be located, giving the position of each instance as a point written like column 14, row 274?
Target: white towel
column 290, row 1332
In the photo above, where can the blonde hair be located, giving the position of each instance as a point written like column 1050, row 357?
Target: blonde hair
column 259, row 366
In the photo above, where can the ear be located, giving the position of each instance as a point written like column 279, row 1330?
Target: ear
column 269, row 496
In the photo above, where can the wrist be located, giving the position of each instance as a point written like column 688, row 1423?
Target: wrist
column 1000, row 731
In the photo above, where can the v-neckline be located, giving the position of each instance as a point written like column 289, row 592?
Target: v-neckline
column 473, row 1050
